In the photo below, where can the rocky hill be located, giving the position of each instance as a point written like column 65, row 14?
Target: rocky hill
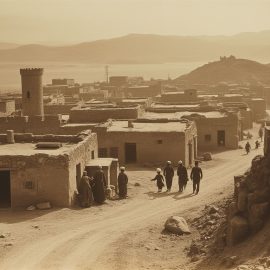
column 144, row 48
column 228, row 69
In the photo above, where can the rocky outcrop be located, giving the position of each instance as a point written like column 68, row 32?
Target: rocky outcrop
column 251, row 205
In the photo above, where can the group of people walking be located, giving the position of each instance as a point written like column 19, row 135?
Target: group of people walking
column 168, row 173
column 94, row 188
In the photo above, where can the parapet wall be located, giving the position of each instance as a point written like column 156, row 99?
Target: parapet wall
column 97, row 115
column 31, row 138
column 33, row 124
column 31, row 71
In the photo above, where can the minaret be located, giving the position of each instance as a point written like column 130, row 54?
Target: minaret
column 32, row 91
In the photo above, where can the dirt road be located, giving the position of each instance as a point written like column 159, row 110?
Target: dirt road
column 94, row 238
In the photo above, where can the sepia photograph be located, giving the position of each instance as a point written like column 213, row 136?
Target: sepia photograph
column 134, row 135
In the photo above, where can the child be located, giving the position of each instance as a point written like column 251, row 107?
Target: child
column 160, row 180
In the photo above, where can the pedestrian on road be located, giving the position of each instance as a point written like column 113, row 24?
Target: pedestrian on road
column 85, row 191
column 182, row 176
column 247, row 147
column 99, row 186
column 160, row 180
column 257, row 144
column 122, row 183
column 168, row 173
column 196, row 176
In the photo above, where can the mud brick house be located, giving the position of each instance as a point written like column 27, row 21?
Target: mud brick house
column 147, row 141
column 38, row 168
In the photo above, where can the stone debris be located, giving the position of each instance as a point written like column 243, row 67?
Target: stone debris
column 31, row 208
column 44, row 206
column 137, row 184
column 207, row 156
column 2, row 236
column 177, row 225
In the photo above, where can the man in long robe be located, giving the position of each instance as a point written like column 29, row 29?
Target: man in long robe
column 122, row 183
column 99, row 186
column 168, row 173
column 182, row 176
column 85, row 191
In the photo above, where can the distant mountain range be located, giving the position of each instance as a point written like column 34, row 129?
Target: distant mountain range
column 145, row 49
column 228, row 69
column 6, row 45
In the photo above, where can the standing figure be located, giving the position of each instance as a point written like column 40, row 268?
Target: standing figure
column 122, row 183
column 261, row 133
column 160, row 180
column 182, row 176
column 168, row 173
column 85, row 191
column 257, row 144
column 247, row 147
column 196, row 176
column 99, row 186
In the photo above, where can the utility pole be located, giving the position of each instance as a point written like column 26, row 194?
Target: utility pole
column 107, row 74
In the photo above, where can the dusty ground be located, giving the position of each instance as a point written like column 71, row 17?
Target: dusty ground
column 125, row 234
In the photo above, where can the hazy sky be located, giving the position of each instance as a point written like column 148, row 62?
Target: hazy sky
column 72, row 21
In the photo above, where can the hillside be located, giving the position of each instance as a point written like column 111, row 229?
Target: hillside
column 6, row 45
column 230, row 70
column 143, row 48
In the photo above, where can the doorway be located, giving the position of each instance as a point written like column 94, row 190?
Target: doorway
column 5, row 196
column 78, row 174
column 190, row 156
column 221, row 137
column 130, row 152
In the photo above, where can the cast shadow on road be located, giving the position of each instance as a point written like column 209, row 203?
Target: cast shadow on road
column 174, row 195
column 10, row 216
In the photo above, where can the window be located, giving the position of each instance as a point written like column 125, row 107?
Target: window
column 159, row 141
column 207, row 137
column 93, row 154
column 28, row 185
column 102, row 152
column 28, row 94
column 114, row 152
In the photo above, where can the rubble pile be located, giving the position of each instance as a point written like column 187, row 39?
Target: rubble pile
column 207, row 225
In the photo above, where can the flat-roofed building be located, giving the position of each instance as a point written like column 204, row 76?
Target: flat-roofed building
column 148, row 141
column 41, row 168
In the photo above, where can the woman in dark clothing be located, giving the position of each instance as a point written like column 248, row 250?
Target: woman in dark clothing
column 122, row 183
column 99, row 186
column 85, row 191
column 160, row 180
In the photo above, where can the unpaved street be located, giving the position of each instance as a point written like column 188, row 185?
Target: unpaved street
column 94, row 238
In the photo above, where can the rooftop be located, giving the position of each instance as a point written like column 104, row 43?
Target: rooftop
column 122, row 126
column 29, row 149
column 178, row 115
column 160, row 105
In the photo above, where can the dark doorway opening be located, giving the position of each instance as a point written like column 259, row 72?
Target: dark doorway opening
column 78, row 174
column 221, row 137
column 131, row 152
column 5, row 196
column 190, row 158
